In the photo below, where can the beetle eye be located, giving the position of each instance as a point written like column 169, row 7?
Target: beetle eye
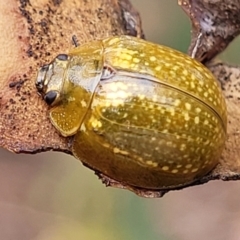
column 62, row 57
column 50, row 97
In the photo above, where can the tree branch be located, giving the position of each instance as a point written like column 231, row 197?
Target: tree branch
column 38, row 33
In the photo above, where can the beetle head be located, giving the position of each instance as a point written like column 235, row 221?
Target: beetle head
column 50, row 79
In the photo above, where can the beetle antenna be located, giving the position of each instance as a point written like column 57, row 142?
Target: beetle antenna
column 75, row 41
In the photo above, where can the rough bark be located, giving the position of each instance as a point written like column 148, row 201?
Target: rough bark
column 36, row 32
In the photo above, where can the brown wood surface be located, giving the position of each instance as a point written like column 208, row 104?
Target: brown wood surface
column 35, row 34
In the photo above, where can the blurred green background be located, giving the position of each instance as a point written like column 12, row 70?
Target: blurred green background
column 51, row 196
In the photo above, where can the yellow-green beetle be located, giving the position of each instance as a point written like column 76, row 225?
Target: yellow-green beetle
column 142, row 114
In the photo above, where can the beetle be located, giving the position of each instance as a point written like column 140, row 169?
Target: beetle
column 144, row 115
